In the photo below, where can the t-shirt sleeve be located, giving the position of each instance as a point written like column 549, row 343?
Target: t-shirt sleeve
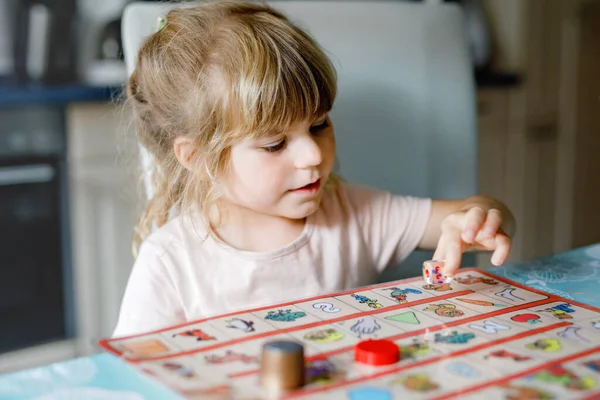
column 151, row 300
column 392, row 225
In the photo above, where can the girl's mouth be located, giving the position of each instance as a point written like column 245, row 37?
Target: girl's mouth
column 310, row 188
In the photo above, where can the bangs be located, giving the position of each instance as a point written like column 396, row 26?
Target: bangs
column 283, row 78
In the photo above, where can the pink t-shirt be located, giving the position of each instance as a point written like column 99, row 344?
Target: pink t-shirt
column 180, row 275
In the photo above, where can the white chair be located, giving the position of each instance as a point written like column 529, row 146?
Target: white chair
column 405, row 116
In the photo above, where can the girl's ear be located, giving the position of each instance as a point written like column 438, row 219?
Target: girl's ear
column 185, row 152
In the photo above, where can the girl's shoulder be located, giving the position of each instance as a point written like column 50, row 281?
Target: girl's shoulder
column 179, row 232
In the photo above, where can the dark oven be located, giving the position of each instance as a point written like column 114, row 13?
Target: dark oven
column 34, row 264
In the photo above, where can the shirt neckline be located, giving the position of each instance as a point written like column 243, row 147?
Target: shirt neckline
column 299, row 242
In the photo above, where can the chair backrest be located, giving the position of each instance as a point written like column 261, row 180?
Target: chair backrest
column 405, row 114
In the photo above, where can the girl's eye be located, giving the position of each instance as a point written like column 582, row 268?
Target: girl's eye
column 275, row 147
column 320, row 127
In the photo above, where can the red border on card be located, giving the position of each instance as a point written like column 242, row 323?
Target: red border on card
column 298, row 327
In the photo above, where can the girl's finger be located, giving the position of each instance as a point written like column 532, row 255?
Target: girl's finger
column 483, row 242
column 492, row 223
column 440, row 250
column 503, row 244
column 453, row 246
column 473, row 220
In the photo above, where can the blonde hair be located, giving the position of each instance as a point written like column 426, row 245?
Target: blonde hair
column 216, row 73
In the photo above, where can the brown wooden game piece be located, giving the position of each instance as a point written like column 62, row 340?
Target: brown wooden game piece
column 282, row 365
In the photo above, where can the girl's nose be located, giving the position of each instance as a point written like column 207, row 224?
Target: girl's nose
column 308, row 154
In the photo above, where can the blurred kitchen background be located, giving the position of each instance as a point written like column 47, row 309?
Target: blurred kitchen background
column 68, row 184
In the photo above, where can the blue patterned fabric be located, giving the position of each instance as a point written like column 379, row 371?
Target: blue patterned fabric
column 100, row 377
column 574, row 274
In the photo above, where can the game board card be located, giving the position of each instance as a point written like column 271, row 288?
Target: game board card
column 182, row 373
column 367, row 327
column 148, row 346
column 481, row 303
column 465, row 371
column 579, row 334
column 240, row 326
column 454, row 339
column 565, row 311
column 579, row 376
column 439, row 290
column 489, row 393
column 511, row 295
column 403, row 294
column 358, row 371
column 309, row 348
column 328, row 308
column 595, row 322
column 503, row 359
column 376, row 390
column 517, row 390
column 592, row 323
column 285, row 317
column 420, row 382
column 408, row 319
column 417, row 349
column 366, row 300
column 322, row 371
column 528, row 319
column 558, row 381
column 447, row 310
column 247, row 388
column 475, row 280
column 493, row 328
column 194, row 336
column 230, row 360
column 459, row 374
column 586, row 365
column 326, row 338
column 548, row 345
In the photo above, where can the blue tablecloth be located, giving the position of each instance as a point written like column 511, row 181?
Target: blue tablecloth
column 574, row 275
column 99, row 377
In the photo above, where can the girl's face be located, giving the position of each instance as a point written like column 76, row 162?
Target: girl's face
column 283, row 175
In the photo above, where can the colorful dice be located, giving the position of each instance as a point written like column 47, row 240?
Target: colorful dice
column 432, row 272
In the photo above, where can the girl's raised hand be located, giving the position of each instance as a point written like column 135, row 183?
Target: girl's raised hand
column 473, row 228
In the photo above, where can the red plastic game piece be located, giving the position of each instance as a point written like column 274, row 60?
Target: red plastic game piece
column 376, row 352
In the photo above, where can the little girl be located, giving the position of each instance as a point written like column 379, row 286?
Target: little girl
column 232, row 101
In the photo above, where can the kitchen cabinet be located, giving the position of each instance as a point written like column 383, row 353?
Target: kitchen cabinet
column 536, row 140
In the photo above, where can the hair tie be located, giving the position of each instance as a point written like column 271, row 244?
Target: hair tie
column 162, row 22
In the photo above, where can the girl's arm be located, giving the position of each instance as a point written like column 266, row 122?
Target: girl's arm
column 478, row 222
